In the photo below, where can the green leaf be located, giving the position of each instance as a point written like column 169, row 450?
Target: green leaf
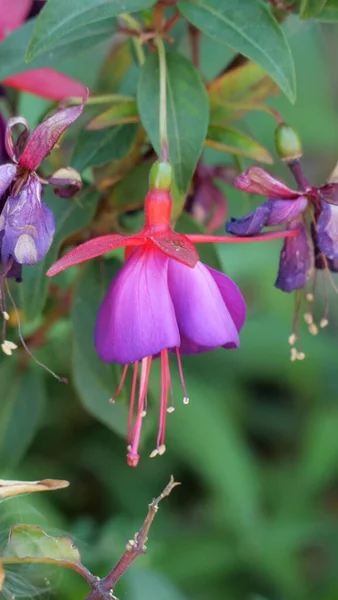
column 125, row 112
column 311, row 8
column 71, row 215
column 30, row 544
column 13, row 48
column 187, row 112
column 60, row 18
column 22, row 400
column 330, row 13
column 249, row 29
column 130, row 192
column 96, row 148
column 236, row 142
column 95, row 381
column 246, row 85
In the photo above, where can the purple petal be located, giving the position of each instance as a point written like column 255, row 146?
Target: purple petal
column 47, row 134
column 231, row 296
column 329, row 192
column 273, row 212
column 137, row 317
column 28, row 225
column 250, row 224
column 258, row 181
column 7, row 174
column 296, row 260
column 327, row 230
column 202, row 315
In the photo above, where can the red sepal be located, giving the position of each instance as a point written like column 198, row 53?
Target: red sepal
column 176, row 246
column 92, row 249
column 46, row 83
column 199, row 238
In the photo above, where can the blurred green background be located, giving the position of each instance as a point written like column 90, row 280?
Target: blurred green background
column 256, row 517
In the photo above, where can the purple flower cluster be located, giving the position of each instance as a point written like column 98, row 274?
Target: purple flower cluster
column 313, row 212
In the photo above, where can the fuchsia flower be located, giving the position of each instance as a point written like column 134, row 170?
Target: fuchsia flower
column 47, row 83
column 317, row 242
column 26, row 223
column 163, row 300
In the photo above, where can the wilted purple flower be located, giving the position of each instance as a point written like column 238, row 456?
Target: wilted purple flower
column 313, row 212
column 286, row 206
column 26, row 223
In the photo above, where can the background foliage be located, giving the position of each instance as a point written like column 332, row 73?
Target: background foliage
column 256, row 448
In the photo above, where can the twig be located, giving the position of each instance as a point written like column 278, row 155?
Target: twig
column 103, row 589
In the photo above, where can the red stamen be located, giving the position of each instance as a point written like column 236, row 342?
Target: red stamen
column 133, row 455
column 164, row 401
column 120, row 386
column 180, row 369
column 132, row 401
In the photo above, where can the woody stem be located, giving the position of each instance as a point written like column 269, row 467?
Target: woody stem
column 163, row 100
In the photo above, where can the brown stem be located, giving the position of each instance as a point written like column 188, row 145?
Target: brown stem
column 171, row 22
column 194, row 35
column 103, row 589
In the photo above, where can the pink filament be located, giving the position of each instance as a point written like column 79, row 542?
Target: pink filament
column 133, row 455
column 180, row 369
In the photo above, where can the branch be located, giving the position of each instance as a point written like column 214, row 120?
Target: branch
column 103, row 589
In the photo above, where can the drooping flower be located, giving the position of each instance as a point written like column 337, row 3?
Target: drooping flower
column 46, row 83
column 312, row 211
column 26, row 223
column 162, row 300
column 290, row 207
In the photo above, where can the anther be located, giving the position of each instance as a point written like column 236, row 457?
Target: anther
column 161, row 449
column 323, row 323
column 7, row 347
column 111, row 400
column 292, row 339
column 186, row 400
column 170, row 409
column 143, row 413
column 313, row 329
column 5, row 315
column 308, row 318
column 154, row 453
column 293, row 355
column 300, row 355
column 309, row 297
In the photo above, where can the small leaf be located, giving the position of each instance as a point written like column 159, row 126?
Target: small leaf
column 236, row 142
column 250, row 30
column 311, row 8
column 116, row 115
column 60, row 18
column 8, row 489
column 96, row 148
column 71, row 215
column 247, row 84
column 187, row 112
column 30, row 544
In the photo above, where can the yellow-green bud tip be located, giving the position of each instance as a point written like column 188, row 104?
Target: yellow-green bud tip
column 287, row 142
column 161, row 176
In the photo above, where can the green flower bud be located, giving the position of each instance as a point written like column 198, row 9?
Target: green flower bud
column 287, row 142
column 161, row 176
